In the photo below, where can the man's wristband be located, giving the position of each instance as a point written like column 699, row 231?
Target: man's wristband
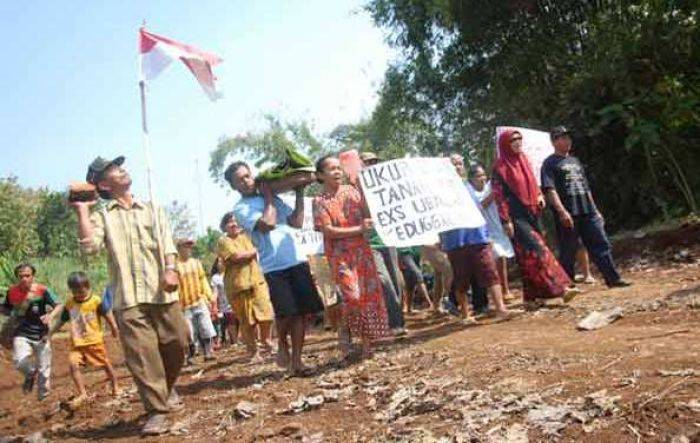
column 171, row 268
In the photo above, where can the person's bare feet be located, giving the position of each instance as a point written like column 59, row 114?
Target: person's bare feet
column 509, row 297
column 570, row 294
column 468, row 320
column 298, row 370
column 283, row 358
column 504, row 315
column 77, row 402
column 254, row 358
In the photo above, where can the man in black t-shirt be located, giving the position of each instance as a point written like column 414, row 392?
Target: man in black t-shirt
column 565, row 184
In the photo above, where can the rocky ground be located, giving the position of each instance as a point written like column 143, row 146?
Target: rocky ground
column 534, row 378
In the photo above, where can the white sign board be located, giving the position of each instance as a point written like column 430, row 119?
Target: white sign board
column 306, row 238
column 536, row 145
column 411, row 200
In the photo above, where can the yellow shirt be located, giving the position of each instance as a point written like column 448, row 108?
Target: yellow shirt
column 129, row 236
column 194, row 285
column 239, row 276
column 85, row 320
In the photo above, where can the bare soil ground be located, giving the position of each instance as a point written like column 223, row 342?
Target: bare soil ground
column 533, row 378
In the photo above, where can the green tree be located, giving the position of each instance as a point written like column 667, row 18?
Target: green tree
column 56, row 226
column 392, row 138
column 205, row 247
column 18, row 215
column 266, row 146
column 623, row 75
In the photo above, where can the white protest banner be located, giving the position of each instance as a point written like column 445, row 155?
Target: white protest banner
column 306, row 238
column 411, row 200
column 536, row 145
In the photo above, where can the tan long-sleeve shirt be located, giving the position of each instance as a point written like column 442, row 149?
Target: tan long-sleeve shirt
column 129, row 236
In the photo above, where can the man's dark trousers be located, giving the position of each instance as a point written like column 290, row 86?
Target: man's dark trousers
column 591, row 230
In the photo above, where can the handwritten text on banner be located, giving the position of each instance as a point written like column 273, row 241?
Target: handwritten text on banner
column 412, row 200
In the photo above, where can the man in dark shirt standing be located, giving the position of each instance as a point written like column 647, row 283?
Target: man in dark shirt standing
column 33, row 306
column 575, row 213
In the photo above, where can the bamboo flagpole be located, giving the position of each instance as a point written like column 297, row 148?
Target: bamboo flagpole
column 149, row 174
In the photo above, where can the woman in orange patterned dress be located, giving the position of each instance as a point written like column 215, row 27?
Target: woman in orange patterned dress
column 341, row 215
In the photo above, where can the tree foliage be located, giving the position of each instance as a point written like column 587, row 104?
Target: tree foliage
column 18, row 214
column 35, row 222
column 56, row 226
column 205, row 247
column 36, row 225
column 265, row 146
column 623, row 75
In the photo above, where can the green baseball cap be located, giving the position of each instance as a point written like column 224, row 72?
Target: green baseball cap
column 100, row 165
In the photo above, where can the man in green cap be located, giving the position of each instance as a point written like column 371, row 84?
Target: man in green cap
column 152, row 328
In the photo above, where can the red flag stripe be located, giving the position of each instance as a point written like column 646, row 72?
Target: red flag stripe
column 149, row 40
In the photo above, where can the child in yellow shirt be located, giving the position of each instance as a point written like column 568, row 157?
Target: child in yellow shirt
column 84, row 311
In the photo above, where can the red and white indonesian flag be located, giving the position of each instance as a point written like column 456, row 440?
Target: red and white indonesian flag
column 157, row 52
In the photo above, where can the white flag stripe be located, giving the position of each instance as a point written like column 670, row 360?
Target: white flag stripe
column 157, row 53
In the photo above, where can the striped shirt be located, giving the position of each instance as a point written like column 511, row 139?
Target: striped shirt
column 194, row 285
column 128, row 235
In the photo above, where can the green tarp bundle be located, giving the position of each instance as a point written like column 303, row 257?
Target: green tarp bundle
column 293, row 162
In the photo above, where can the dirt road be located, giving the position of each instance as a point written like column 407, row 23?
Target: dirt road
column 534, row 378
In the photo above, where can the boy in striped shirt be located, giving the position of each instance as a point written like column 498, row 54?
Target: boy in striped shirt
column 195, row 298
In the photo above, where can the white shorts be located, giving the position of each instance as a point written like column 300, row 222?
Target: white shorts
column 199, row 320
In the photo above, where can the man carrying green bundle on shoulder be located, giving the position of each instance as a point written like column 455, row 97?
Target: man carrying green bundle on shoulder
column 270, row 223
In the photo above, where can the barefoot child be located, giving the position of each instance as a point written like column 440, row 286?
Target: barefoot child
column 85, row 311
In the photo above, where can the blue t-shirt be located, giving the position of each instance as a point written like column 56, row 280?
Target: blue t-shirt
column 457, row 238
column 277, row 249
column 108, row 298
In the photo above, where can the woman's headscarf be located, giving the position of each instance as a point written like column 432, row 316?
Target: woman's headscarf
column 515, row 170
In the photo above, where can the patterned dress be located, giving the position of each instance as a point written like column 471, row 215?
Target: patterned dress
column 352, row 263
column 543, row 276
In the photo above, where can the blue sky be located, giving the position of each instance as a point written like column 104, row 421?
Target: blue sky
column 70, row 88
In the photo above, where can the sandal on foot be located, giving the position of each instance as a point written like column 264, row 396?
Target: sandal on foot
column 156, row 424
column 570, row 294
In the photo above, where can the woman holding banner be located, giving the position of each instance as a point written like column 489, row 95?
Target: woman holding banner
column 520, row 204
column 340, row 213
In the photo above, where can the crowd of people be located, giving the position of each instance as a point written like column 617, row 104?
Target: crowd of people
column 165, row 309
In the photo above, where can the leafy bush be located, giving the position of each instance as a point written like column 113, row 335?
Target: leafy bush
column 623, row 76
